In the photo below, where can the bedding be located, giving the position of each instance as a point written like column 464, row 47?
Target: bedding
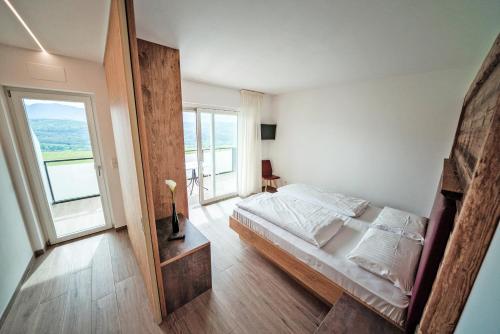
column 391, row 247
column 345, row 205
column 398, row 221
column 309, row 221
column 331, row 261
column 388, row 255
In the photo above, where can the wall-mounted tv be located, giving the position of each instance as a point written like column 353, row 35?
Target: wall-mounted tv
column 267, row 131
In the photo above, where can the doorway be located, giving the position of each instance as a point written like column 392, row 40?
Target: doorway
column 60, row 147
column 211, row 151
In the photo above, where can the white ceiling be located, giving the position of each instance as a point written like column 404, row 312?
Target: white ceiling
column 275, row 46
column 284, row 45
column 74, row 28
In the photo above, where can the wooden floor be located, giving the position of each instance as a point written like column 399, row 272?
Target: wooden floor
column 93, row 286
column 86, row 286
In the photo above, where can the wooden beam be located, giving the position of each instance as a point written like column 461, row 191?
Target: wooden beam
column 162, row 108
column 158, row 104
column 144, row 149
column 118, row 72
column 475, row 118
column 469, row 241
column 450, row 184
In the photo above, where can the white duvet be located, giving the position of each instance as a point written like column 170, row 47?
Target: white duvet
column 311, row 222
column 345, row 205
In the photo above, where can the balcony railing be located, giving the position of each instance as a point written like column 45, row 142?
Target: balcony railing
column 225, row 160
column 69, row 180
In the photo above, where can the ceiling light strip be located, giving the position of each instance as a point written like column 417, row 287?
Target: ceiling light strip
column 24, row 25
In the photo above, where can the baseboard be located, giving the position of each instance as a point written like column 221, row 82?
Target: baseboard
column 120, row 228
column 16, row 292
column 39, row 252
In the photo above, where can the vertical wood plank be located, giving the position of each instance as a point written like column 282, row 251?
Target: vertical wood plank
column 156, row 289
column 476, row 116
column 121, row 53
column 102, row 273
column 476, row 154
column 49, row 316
column 133, row 315
column 22, row 315
column 122, row 257
column 105, row 315
column 57, row 277
column 469, row 241
column 162, row 107
column 78, row 315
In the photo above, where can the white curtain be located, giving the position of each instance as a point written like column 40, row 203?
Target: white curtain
column 249, row 155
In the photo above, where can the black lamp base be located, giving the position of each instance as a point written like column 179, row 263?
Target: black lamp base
column 177, row 232
column 177, row 236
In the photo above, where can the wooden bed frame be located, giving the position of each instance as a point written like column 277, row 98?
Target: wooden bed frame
column 317, row 283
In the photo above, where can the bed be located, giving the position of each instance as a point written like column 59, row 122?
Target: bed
column 328, row 274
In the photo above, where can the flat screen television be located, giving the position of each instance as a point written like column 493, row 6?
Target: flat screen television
column 267, row 131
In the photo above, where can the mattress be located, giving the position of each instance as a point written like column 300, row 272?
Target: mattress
column 331, row 261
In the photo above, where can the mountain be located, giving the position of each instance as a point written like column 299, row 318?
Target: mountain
column 55, row 111
column 60, row 127
column 61, row 134
column 225, row 133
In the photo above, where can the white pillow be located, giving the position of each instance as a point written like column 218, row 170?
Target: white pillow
column 401, row 221
column 345, row 205
column 389, row 255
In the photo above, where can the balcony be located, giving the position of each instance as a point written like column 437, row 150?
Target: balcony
column 72, row 191
column 225, row 174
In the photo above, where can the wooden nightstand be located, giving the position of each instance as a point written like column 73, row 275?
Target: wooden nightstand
column 185, row 264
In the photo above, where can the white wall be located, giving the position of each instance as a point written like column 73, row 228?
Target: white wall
column 480, row 314
column 383, row 140
column 204, row 94
column 196, row 93
column 15, row 247
column 82, row 77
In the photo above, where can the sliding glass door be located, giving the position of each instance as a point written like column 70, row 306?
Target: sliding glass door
column 212, row 172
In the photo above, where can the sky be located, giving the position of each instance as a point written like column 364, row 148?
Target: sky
column 29, row 102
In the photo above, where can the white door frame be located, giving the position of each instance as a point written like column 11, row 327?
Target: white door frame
column 23, row 133
column 199, row 148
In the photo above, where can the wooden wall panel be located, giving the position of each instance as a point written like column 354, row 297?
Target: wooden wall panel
column 162, row 107
column 156, row 85
column 122, row 107
column 142, row 129
column 475, row 154
column 477, row 115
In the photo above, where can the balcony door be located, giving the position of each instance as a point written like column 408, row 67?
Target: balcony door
column 61, row 153
column 217, row 154
column 210, row 137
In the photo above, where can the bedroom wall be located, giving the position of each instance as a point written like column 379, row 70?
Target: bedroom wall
column 82, row 77
column 196, row 93
column 383, row 140
column 15, row 247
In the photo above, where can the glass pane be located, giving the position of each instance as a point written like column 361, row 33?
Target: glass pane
column 190, row 147
column 63, row 149
column 226, row 156
column 207, row 149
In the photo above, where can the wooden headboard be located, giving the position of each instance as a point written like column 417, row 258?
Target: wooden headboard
column 471, row 176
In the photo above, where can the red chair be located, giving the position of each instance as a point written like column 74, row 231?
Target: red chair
column 267, row 175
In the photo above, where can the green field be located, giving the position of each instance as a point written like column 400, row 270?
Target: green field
column 60, row 155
